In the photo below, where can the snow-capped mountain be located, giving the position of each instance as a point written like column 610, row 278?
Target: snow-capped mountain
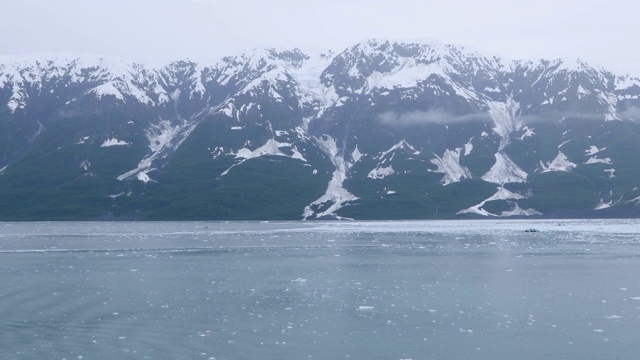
column 380, row 130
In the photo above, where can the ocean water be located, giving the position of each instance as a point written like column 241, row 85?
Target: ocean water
column 321, row 290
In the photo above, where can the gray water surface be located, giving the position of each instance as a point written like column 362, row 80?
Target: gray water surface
column 321, row 290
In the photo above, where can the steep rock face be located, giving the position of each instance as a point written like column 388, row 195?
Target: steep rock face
column 380, row 130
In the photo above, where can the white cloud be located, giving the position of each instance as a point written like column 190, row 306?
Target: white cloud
column 429, row 117
column 632, row 113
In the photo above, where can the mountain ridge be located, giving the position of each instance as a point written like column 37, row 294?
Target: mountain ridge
column 380, row 130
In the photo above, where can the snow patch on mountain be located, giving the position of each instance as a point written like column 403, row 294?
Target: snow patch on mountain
column 108, row 89
column 380, row 172
column 518, row 211
column 356, row 155
column 505, row 118
column 527, row 132
column 164, row 138
column 85, row 165
column 401, row 145
column 611, row 101
column 501, row 194
column 182, row 74
column 506, row 121
column 109, row 76
column 468, row 147
column 229, row 109
column 611, row 173
column 270, row 148
column 307, row 76
column 266, row 69
column 388, row 65
column 582, row 92
column 405, row 75
column 143, row 176
column 596, row 160
column 113, row 142
column 216, row 152
column 564, row 143
column 570, row 65
column 15, row 102
column 592, row 150
column 39, row 131
column 625, row 82
column 605, row 204
column 3, row 169
column 449, row 165
column 163, row 134
column 269, row 78
column 560, row 163
column 19, row 72
column 505, row 171
column 197, row 87
column 336, row 194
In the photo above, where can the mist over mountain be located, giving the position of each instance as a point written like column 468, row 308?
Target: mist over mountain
column 380, row 130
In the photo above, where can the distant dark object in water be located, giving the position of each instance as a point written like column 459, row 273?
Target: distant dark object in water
column 532, row 230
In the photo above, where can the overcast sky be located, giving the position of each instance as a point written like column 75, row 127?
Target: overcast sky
column 604, row 32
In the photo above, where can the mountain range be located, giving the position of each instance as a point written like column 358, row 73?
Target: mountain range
column 381, row 130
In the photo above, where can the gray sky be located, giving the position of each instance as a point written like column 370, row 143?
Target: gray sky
column 598, row 31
